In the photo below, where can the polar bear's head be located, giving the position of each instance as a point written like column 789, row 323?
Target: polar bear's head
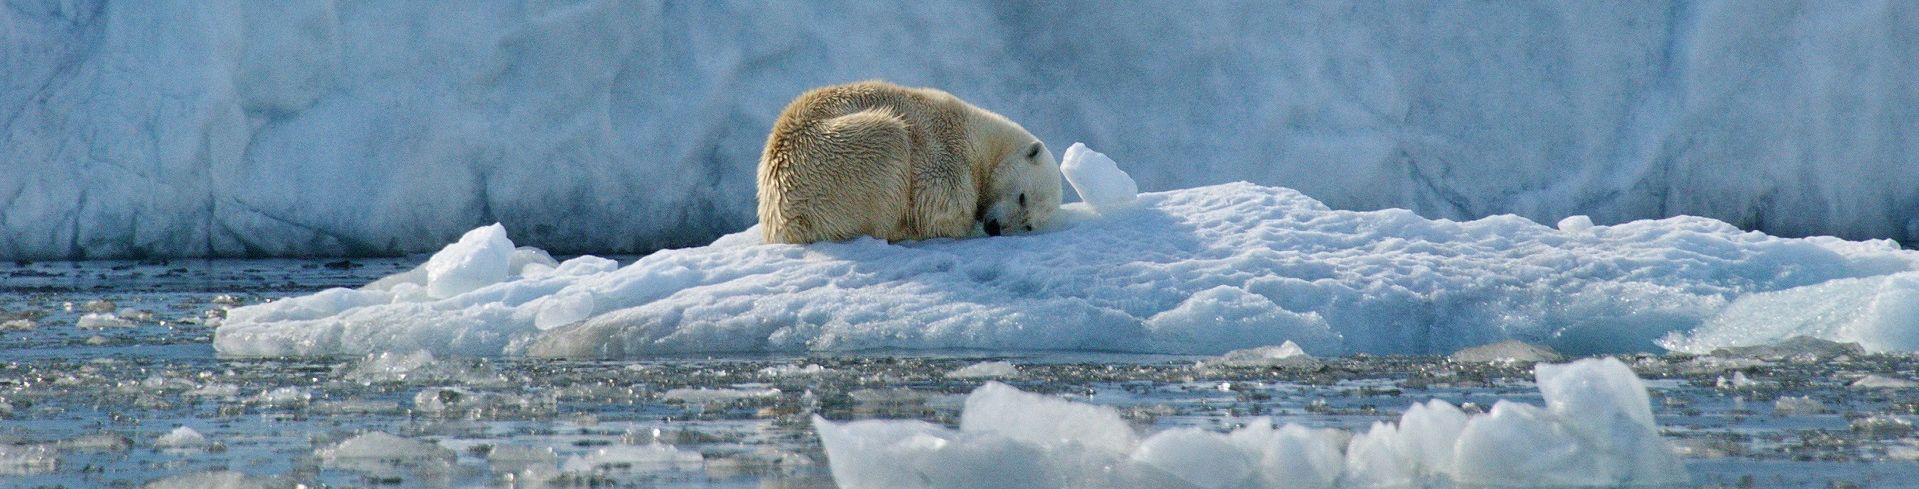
column 1022, row 192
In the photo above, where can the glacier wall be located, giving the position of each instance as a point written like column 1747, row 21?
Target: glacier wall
column 242, row 128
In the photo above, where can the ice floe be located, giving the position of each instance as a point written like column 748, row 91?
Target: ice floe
column 1596, row 430
column 1197, row 271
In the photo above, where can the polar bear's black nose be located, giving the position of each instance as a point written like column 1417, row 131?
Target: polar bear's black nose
column 992, row 228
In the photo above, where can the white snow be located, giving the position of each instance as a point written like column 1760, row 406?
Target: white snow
column 1595, row 431
column 1097, row 179
column 1203, row 271
column 169, row 129
column 287, row 397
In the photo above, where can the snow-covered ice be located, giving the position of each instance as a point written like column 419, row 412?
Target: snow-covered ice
column 1195, row 271
column 158, row 129
column 1596, row 430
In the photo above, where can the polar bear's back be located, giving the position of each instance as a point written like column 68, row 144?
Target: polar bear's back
column 848, row 160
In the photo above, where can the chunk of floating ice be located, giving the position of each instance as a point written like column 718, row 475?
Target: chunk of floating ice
column 1738, row 381
column 1203, row 271
column 1876, row 381
column 509, row 459
column 1509, row 351
column 181, row 438
column 1595, row 431
column 291, row 396
column 220, row 479
column 379, row 452
column 482, row 257
column 982, row 370
column 1097, row 179
column 100, row 320
column 705, row 395
column 1882, row 425
column 1284, row 354
column 389, row 366
column 1797, row 406
column 27, row 459
column 794, row 370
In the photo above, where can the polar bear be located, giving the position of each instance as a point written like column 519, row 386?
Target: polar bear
column 877, row 159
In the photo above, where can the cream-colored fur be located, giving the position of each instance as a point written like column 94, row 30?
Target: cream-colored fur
column 877, row 159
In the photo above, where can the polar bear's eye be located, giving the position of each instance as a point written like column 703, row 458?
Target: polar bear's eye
column 1033, row 152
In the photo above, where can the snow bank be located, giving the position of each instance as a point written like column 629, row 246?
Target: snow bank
column 1596, row 430
column 1200, row 271
column 275, row 128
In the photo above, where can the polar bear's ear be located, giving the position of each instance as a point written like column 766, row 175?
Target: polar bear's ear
column 1032, row 151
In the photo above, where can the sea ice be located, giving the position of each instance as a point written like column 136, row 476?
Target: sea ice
column 705, row 395
column 794, row 370
column 28, row 459
column 182, row 438
column 1797, row 406
column 1876, row 381
column 1287, row 353
column 1097, row 179
column 480, row 258
column 633, row 458
column 999, row 369
column 377, row 452
column 1204, row 271
column 222, row 479
column 1509, row 351
column 1878, row 312
column 1595, row 431
column 102, row 320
